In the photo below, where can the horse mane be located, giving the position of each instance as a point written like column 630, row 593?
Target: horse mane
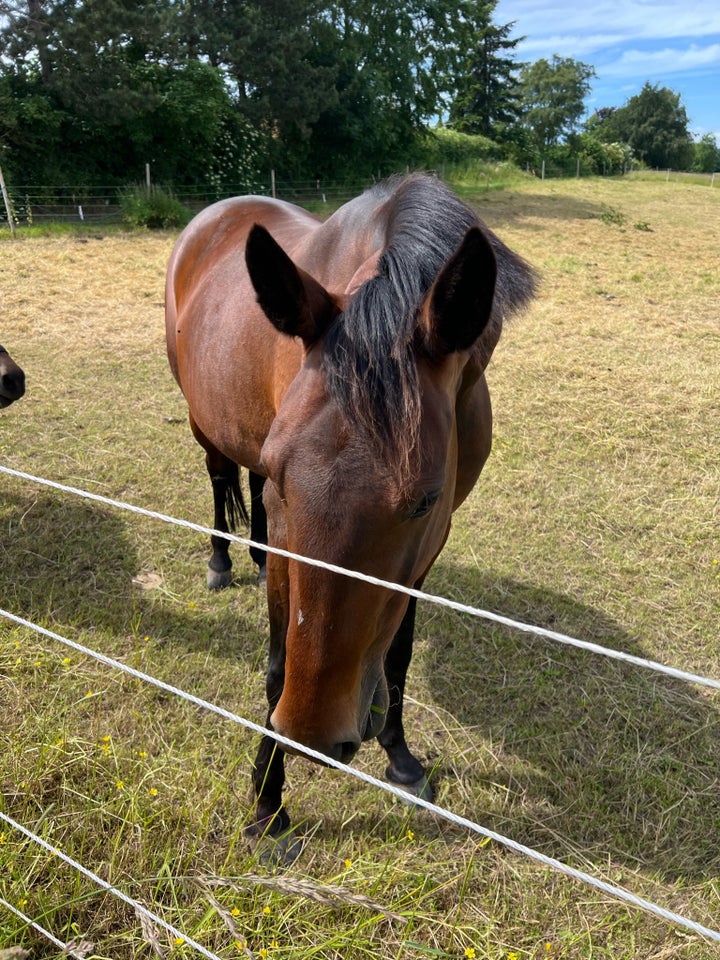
column 370, row 351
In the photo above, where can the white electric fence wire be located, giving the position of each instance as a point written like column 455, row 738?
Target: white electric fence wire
column 108, row 887
column 410, row 591
column 36, row 926
column 619, row 893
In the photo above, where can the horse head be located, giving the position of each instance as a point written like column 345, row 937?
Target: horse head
column 12, row 379
column 345, row 489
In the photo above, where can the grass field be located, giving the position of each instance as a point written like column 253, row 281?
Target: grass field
column 598, row 515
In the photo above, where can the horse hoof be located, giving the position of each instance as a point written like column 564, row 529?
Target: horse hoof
column 262, row 576
column 420, row 788
column 272, row 851
column 219, row 579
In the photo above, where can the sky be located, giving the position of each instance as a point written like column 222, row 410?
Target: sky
column 672, row 43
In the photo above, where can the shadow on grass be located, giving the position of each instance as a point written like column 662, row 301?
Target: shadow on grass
column 70, row 564
column 506, row 208
column 577, row 751
column 570, row 750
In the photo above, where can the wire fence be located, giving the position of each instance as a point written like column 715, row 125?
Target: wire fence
column 613, row 890
column 33, row 204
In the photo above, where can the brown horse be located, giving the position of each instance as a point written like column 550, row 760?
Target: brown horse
column 12, row 379
column 342, row 364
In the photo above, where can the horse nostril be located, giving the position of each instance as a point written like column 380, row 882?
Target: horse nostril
column 346, row 750
column 13, row 385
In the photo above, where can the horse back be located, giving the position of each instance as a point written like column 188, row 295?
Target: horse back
column 230, row 362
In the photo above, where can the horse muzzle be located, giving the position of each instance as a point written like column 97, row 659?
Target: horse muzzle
column 12, row 387
column 339, row 744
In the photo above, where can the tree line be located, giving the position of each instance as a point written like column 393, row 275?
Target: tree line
column 221, row 90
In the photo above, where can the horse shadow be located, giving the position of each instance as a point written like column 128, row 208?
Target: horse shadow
column 73, row 565
column 573, row 751
column 533, row 210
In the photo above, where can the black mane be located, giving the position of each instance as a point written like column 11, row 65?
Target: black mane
column 370, row 357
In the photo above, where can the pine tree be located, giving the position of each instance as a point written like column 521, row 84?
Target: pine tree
column 488, row 97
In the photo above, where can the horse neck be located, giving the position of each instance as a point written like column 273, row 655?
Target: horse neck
column 333, row 252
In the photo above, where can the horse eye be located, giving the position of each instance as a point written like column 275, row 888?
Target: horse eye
column 423, row 505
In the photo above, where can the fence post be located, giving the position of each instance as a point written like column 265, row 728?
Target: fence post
column 272, row 183
column 8, row 208
column 147, row 175
column 543, row 170
column 577, row 171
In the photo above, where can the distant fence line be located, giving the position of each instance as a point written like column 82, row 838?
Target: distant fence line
column 102, row 204
column 31, row 204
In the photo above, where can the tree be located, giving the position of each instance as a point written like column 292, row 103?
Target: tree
column 335, row 89
column 488, row 96
column 381, row 96
column 654, row 123
column 112, row 92
column 393, row 67
column 707, row 154
column 553, row 97
column 267, row 49
column 91, row 55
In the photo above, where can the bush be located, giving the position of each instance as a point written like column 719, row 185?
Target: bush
column 152, row 207
column 450, row 146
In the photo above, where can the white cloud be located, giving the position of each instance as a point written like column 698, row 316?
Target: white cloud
column 639, row 63
column 564, row 23
column 630, row 42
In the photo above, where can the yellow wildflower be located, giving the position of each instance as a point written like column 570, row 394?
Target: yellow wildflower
column 234, row 912
column 470, row 953
column 266, row 910
column 119, row 784
column 348, row 863
column 153, row 791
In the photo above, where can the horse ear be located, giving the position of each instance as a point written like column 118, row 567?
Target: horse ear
column 460, row 302
column 294, row 302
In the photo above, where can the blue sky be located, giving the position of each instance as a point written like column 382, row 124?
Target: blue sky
column 628, row 42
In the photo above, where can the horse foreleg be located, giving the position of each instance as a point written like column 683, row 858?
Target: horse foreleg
column 258, row 524
column 270, row 835
column 404, row 769
column 228, row 508
column 222, row 478
column 271, row 822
